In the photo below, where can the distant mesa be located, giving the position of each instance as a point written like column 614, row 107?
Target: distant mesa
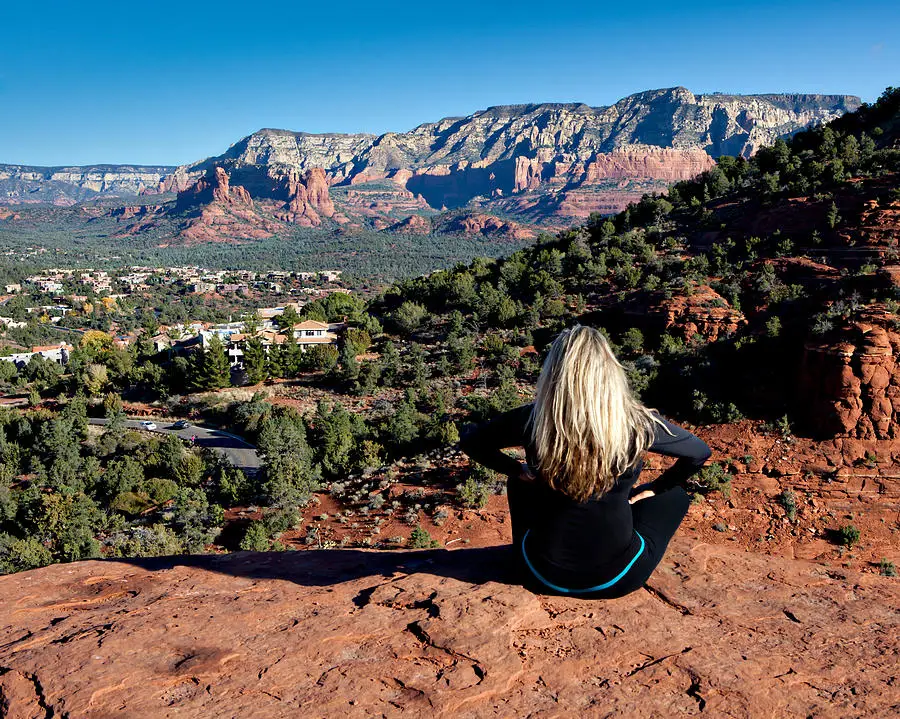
column 540, row 166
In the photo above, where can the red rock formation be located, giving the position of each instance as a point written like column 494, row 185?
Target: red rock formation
column 178, row 181
column 317, row 190
column 343, row 633
column 647, row 162
column 221, row 212
column 383, row 202
column 401, row 176
column 131, row 211
column 879, row 222
column 527, row 174
column 413, row 225
column 704, row 312
column 487, row 225
column 213, row 187
column 309, row 200
column 851, row 381
column 581, row 203
column 365, row 177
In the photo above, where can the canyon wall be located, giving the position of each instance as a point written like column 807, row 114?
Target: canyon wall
column 600, row 158
column 69, row 185
column 547, row 164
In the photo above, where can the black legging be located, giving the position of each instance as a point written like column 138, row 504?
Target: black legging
column 656, row 519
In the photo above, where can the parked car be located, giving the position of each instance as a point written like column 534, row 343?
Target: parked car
column 181, row 424
column 147, row 424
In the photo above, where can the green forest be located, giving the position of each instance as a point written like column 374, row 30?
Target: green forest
column 431, row 353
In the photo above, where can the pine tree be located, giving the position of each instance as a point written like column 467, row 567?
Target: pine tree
column 211, row 368
column 255, row 360
column 832, row 217
column 288, row 318
column 349, row 365
column 276, row 361
column 293, row 358
column 251, row 324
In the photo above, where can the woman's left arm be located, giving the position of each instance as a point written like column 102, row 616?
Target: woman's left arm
column 674, row 441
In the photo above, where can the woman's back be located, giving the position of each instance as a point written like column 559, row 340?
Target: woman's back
column 573, row 542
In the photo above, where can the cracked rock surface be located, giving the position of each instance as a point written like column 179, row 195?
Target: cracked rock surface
column 443, row 633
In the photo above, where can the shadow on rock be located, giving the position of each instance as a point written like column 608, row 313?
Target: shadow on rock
column 316, row 568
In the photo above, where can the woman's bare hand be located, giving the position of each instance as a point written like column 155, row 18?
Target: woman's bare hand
column 645, row 493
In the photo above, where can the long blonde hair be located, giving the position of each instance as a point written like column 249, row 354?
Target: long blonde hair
column 587, row 427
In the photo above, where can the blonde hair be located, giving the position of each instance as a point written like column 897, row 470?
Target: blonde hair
column 586, row 426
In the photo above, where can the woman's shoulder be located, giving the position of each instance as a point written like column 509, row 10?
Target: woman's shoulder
column 519, row 417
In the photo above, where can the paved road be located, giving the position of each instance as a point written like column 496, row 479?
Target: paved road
column 240, row 453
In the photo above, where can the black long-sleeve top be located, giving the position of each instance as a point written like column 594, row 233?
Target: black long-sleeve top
column 579, row 538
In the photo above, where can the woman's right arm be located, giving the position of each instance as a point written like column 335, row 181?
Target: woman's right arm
column 484, row 442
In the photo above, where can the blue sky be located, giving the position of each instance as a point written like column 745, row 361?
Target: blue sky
column 172, row 82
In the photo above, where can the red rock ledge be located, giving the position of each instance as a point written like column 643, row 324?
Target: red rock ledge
column 362, row 634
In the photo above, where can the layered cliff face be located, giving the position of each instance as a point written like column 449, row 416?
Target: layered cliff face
column 704, row 314
column 672, row 118
column 70, row 185
column 544, row 164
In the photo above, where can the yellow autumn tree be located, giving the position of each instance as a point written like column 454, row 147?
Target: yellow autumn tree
column 95, row 341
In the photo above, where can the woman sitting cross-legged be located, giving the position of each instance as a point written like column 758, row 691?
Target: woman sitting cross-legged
column 579, row 525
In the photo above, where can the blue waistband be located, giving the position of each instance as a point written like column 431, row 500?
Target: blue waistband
column 605, row 585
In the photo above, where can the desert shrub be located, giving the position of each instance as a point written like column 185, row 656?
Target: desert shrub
column 156, row 541
column 445, row 433
column 712, row 478
column 281, row 520
column 788, row 500
column 481, row 483
column 17, row 555
column 161, row 490
column 421, row 539
column 256, row 537
column 781, row 426
column 886, row 568
column 233, row 486
column 724, row 412
column 848, row 535
column 632, row 340
column 409, row 316
column 473, row 494
column 130, row 502
column 189, row 471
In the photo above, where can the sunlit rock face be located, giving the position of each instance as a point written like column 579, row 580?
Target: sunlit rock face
column 586, row 158
column 548, row 164
column 349, row 633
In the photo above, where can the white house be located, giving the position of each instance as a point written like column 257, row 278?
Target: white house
column 11, row 323
column 311, row 332
column 56, row 353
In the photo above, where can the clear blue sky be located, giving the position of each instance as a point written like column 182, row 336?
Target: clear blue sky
column 172, row 82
